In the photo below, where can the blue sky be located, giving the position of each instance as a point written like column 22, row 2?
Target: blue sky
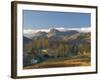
column 48, row 19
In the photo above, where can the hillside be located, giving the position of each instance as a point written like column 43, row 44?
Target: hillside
column 56, row 45
column 26, row 40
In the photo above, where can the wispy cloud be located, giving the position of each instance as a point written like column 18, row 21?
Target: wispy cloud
column 30, row 31
column 83, row 29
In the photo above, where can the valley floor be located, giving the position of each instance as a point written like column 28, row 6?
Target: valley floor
column 82, row 60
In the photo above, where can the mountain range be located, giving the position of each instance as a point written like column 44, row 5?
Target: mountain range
column 31, row 32
column 56, row 35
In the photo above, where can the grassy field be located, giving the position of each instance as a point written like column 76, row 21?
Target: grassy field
column 81, row 60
